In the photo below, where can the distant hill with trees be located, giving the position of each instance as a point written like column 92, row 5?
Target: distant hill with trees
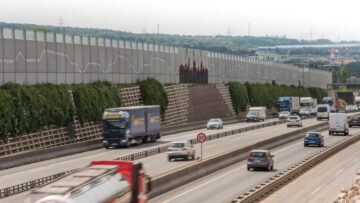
column 238, row 45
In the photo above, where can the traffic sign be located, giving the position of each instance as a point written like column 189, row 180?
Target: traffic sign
column 201, row 137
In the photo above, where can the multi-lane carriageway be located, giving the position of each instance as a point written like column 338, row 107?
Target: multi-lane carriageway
column 235, row 179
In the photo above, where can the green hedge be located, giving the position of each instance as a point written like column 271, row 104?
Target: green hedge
column 27, row 109
column 239, row 96
column 91, row 100
column 267, row 94
column 153, row 93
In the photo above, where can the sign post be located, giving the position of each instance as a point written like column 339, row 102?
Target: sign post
column 201, row 137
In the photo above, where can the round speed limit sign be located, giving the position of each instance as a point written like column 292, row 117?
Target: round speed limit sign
column 201, row 137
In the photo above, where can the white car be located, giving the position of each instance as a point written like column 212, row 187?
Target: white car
column 349, row 109
column 294, row 121
column 181, row 149
column 355, row 108
column 215, row 123
column 284, row 115
column 304, row 112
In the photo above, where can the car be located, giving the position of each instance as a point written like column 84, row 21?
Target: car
column 333, row 109
column 284, row 115
column 304, row 112
column 354, row 121
column 313, row 111
column 260, row 159
column 355, row 108
column 314, row 138
column 181, row 149
column 215, row 123
column 294, row 121
column 349, row 109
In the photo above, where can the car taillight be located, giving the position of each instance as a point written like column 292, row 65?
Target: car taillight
column 344, row 126
column 305, row 138
column 349, row 121
column 318, row 138
column 266, row 156
column 249, row 155
column 184, row 149
column 297, row 120
column 169, row 149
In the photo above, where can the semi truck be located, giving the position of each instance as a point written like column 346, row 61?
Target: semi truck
column 125, row 126
column 306, row 102
column 327, row 100
column 101, row 181
column 357, row 101
column 290, row 104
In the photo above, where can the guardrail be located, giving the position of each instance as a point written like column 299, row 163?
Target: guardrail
column 13, row 190
column 274, row 183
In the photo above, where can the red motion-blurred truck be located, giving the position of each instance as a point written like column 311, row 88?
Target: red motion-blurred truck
column 101, row 181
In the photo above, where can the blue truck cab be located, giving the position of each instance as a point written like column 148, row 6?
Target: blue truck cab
column 284, row 104
column 327, row 100
column 125, row 126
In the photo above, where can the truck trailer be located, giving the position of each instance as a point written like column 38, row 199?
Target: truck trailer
column 125, row 126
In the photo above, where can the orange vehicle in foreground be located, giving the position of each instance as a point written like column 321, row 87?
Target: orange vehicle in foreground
column 101, row 181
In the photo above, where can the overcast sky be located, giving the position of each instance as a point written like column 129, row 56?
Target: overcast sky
column 335, row 20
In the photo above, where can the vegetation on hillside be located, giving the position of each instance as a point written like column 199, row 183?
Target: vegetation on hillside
column 153, row 93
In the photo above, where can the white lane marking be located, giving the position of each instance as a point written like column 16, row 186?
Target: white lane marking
column 315, row 191
column 286, row 148
column 181, row 194
column 337, row 173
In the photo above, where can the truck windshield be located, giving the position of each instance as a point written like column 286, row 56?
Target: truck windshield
column 115, row 124
column 327, row 102
column 252, row 114
column 305, row 104
column 283, row 103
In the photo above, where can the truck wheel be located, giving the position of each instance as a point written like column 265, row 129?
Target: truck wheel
column 153, row 139
column 139, row 141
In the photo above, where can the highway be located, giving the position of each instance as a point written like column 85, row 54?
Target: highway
column 41, row 169
column 158, row 164
column 324, row 182
column 228, row 183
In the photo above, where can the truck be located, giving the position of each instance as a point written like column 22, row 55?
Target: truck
column 125, row 126
column 290, row 104
column 101, row 181
column 306, row 102
column 256, row 114
column 328, row 100
column 357, row 101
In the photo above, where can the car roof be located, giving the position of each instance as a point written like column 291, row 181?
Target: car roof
column 313, row 133
column 259, row 150
column 180, row 142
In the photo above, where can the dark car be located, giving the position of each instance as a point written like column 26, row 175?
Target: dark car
column 354, row 121
column 260, row 159
column 314, row 138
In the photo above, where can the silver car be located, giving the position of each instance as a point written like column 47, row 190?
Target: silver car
column 214, row 123
column 181, row 149
column 294, row 121
column 304, row 112
column 284, row 115
column 260, row 159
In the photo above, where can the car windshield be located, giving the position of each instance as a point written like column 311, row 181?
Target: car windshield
column 214, row 121
column 258, row 154
column 177, row 145
column 293, row 118
column 284, row 113
column 355, row 118
column 313, row 135
column 322, row 109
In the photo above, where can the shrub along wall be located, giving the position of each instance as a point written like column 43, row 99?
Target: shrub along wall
column 153, row 93
column 25, row 109
column 267, row 94
column 91, row 100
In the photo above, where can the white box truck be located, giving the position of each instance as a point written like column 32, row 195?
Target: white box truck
column 256, row 114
